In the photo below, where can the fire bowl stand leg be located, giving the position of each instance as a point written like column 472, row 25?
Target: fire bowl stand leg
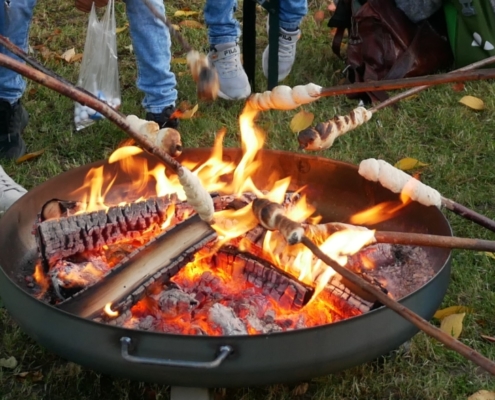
column 190, row 393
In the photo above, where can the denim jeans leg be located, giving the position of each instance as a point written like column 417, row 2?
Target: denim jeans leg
column 15, row 20
column 151, row 43
column 220, row 20
column 291, row 13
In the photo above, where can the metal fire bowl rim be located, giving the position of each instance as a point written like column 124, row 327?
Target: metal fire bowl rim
column 213, row 339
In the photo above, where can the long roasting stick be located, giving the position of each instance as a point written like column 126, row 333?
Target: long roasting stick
column 324, row 134
column 405, row 238
column 270, row 216
column 197, row 196
column 285, row 98
column 398, row 181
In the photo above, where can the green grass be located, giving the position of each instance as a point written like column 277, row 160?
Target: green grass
column 456, row 142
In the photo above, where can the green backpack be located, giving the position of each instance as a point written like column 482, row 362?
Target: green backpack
column 471, row 30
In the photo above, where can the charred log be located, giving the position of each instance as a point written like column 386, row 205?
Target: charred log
column 158, row 260
column 287, row 290
column 63, row 237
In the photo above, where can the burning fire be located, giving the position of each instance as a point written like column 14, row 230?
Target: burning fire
column 102, row 188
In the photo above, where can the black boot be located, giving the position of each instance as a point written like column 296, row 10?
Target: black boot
column 163, row 119
column 13, row 119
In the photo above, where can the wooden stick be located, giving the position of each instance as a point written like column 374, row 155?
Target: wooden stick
column 405, row 238
column 410, row 92
column 323, row 135
column 403, row 311
column 269, row 216
column 468, row 214
column 83, row 98
column 421, row 81
column 196, row 194
column 397, row 180
column 423, row 239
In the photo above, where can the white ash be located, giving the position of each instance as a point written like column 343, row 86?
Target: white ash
column 225, row 318
column 174, row 302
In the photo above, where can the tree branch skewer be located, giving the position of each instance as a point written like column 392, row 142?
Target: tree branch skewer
column 196, row 194
column 273, row 220
column 398, row 181
column 323, row 135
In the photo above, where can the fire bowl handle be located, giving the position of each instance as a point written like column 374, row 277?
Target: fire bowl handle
column 224, row 351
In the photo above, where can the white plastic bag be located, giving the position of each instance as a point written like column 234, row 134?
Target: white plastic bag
column 99, row 72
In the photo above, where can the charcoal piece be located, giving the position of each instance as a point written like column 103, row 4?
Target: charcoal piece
column 225, row 319
column 371, row 257
column 174, row 302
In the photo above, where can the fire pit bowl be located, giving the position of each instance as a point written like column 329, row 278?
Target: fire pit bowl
column 335, row 188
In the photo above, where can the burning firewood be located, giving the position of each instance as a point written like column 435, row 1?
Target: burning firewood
column 61, row 237
column 400, row 182
column 160, row 259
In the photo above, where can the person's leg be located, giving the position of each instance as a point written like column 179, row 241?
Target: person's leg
column 225, row 54
column 291, row 14
column 15, row 19
column 151, row 44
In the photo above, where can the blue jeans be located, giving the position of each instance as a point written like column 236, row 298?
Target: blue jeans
column 224, row 28
column 150, row 40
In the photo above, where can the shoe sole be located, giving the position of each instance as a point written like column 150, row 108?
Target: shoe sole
column 225, row 97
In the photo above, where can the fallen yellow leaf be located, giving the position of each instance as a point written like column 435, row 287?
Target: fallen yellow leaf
column 491, row 255
column 482, row 395
column 122, row 28
column 473, row 103
column 67, row 55
column 181, row 13
column 302, row 120
column 176, row 27
column 29, row 156
column 409, row 163
column 452, row 325
column 190, row 23
column 77, row 57
column 178, row 61
column 445, row 312
column 189, row 113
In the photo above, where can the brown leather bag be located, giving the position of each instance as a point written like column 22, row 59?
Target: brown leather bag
column 384, row 44
column 85, row 5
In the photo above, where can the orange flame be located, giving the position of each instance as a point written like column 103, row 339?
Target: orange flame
column 381, row 212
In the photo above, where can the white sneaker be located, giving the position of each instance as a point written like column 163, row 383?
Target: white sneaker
column 234, row 83
column 287, row 42
column 9, row 191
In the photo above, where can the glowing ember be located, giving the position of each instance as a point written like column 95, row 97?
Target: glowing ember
column 108, row 310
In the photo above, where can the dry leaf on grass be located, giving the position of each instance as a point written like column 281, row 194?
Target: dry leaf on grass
column 178, row 61
column 68, row 54
column 491, row 255
column 300, row 389
column 122, row 28
column 33, row 376
column 488, row 338
column 482, row 395
column 29, row 156
column 458, row 87
column 452, row 325
column 9, row 363
column 319, row 16
column 302, row 120
column 189, row 113
column 184, row 13
column 409, row 163
column 445, row 312
column 473, row 102
column 190, row 23
column 176, row 27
